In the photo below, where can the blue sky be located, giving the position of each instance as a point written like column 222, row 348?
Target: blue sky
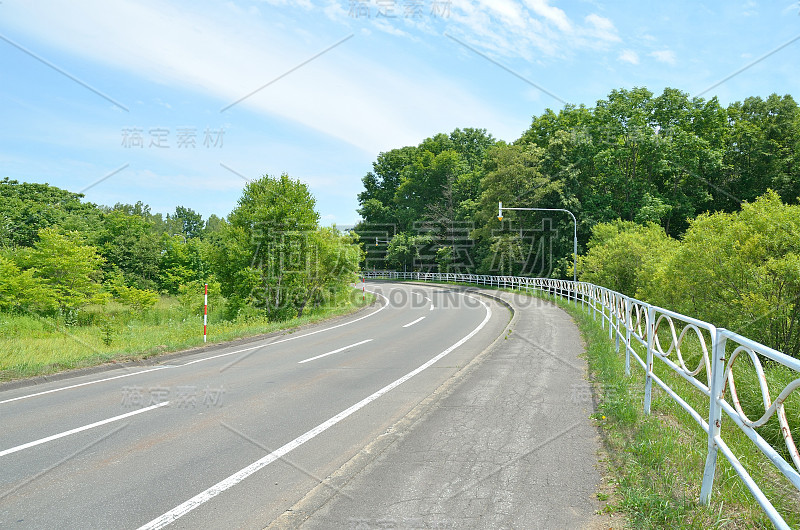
column 178, row 102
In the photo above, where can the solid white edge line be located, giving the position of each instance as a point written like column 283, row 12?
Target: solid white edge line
column 81, row 384
column 412, row 323
column 80, row 429
column 199, row 360
column 199, row 499
column 335, row 351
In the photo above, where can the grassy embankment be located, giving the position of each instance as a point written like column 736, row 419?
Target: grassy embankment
column 31, row 345
column 657, row 461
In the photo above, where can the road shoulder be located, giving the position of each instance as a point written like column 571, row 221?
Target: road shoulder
column 506, row 442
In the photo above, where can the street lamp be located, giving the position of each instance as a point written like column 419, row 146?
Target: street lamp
column 386, row 242
column 574, row 235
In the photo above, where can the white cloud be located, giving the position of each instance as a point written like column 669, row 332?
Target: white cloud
column 533, row 30
column 370, row 105
column 552, row 14
column 602, row 28
column 664, row 56
column 750, row 8
column 629, row 56
column 387, row 27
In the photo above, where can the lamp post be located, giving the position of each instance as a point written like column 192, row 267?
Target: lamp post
column 386, row 242
column 574, row 236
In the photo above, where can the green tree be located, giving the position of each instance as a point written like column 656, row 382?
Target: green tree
column 130, row 242
column 763, row 147
column 625, row 256
column 272, row 226
column 432, row 188
column 22, row 291
column 513, row 176
column 26, row 208
column 740, row 271
column 403, row 250
column 180, row 263
column 333, row 265
column 67, row 266
column 187, row 222
column 136, row 299
column 506, row 256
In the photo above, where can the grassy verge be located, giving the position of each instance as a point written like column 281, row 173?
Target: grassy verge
column 31, row 346
column 658, row 460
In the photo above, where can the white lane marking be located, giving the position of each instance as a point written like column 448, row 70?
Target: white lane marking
column 203, row 497
column 80, row 429
column 424, row 297
column 295, row 337
column 82, row 384
column 431, row 309
column 412, row 323
column 335, row 351
column 201, row 360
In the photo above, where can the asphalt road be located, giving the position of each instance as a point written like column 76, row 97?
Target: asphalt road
column 508, row 444
column 233, row 436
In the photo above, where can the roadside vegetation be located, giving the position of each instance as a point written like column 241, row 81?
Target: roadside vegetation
column 82, row 284
column 34, row 345
column 657, row 461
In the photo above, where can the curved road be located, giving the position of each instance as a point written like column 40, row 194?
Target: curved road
column 233, row 436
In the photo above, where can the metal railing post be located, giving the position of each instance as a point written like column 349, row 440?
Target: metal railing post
column 603, row 311
column 717, row 382
column 628, row 324
column 648, row 384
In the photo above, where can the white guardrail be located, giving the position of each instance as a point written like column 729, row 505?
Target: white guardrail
column 630, row 320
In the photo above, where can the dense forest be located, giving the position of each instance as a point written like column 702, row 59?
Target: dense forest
column 270, row 257
column 633, row 156
column 679, row 200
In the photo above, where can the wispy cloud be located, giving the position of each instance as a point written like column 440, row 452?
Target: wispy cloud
column 629, row 56
column 664, row 56
column 343, row 94
column 602, row 28
column 533, row 30
column 552, row 14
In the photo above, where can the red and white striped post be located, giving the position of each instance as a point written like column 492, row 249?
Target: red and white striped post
column 205, row 313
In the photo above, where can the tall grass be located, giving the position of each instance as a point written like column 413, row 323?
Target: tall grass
column 32, row 345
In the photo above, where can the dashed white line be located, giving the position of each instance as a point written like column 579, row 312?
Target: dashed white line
column 295, row 336
column 414, row 322
column 225, row 484
column 335, row 351
column 80, row 429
